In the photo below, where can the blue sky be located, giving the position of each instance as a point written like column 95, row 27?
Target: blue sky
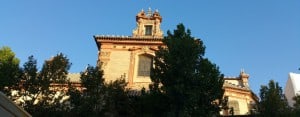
column 260, row 36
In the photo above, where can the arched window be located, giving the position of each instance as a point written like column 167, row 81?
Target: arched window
column 235, row 105
column 145, row 64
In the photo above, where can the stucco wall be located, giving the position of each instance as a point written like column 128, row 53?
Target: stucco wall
column 118, row 65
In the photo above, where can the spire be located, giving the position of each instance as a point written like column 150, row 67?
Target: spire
column 243, row 74
column 242, row 71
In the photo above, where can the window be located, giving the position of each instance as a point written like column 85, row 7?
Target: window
column 148, row 30
column 145, row 64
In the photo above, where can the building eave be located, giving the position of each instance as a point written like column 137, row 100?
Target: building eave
column 128, row 40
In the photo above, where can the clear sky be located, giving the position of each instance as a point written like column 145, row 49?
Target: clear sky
column 260, row 36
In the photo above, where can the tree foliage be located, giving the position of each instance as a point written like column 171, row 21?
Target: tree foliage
column 296, row 106
column 190, row 82
column 100, row 98
column 117, row 102
column 39, row 96
column 89, row 102
column 9, row 69
column 273, row 102
column 45, row 92
column 150, row 105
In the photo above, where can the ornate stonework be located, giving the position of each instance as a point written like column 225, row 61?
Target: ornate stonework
column 146, row 22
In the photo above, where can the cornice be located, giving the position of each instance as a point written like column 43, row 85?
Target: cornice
column 240, row 91
column 128, row 40
column 121, row 38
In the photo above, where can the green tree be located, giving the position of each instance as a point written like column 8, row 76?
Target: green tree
column 296, row 108
column 150, row 105
column 89, row 102
column 9, row 69
column 273, row 102
column 117, row 102
column 41, row 97
column 30, row 83
column 191, row 83
column 100, row 98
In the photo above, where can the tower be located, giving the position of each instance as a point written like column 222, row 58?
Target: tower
column 148, row 24
column 244, row 77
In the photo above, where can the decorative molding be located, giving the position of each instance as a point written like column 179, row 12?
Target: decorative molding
column 150, row 18
column 105, row 54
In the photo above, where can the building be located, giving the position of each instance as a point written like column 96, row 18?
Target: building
column 130, row 57
column 292, row 88
column 240, row 96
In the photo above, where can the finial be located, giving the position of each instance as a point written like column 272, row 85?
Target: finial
column 149, row 13
column 142, row 10
column 242, row 70
column 243, row 74
column 156, row 10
